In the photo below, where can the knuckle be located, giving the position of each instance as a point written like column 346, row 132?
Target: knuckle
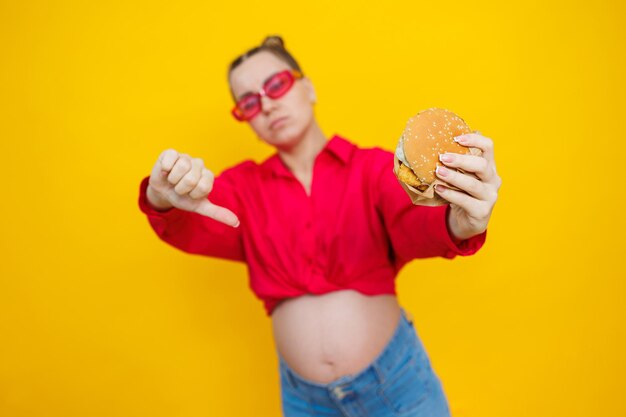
column 498, row 182
column 474, row 186
column 208, row 184
column 168, row 152
column 170, row 178
column 167, row 158
column 188, row 181
column 482, row 211
column 208, row 174
column 484, row 165
column 203, row 188
column 184, row 164
column 179, row 189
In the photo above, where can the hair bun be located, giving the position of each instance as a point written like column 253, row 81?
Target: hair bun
column 274, row 41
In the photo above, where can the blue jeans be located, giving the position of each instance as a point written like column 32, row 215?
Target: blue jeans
column 399, row 382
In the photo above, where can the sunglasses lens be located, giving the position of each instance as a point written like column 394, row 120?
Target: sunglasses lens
column 279, row 84
column 249, row 106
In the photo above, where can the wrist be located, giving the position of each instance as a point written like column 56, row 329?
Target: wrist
column 454, row 231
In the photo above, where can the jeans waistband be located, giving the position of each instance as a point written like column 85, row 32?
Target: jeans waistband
column 404, row 337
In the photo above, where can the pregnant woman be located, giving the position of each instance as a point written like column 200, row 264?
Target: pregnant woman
column 324, row 228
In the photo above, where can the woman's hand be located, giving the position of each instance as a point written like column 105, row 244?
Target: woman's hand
column 470, row 213
column 183, row 182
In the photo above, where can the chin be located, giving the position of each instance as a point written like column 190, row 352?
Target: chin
column 285, row 137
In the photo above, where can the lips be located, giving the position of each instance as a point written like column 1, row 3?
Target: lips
column 277, row 122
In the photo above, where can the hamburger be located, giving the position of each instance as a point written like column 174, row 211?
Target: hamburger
column 428, row 134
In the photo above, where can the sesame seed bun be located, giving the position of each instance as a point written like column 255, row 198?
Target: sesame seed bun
column 427, row 134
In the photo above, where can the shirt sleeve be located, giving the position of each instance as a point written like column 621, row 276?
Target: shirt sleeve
column 194, row 233
column 416, row 231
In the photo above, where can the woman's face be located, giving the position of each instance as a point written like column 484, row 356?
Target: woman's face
column 295, row 107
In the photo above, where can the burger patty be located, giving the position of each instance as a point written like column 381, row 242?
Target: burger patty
column 407, row 176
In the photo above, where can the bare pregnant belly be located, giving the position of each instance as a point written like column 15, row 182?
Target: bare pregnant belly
column 324, row 337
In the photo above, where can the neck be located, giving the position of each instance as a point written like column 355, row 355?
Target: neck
column 301, row 156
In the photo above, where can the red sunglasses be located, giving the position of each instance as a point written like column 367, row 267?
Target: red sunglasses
column 274, row 87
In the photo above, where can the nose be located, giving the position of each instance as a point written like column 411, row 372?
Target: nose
column 267, row 104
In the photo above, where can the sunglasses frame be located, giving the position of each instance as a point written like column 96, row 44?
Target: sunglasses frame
column 236, row 112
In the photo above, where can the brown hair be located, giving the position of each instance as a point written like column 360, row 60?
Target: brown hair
column 273, row 44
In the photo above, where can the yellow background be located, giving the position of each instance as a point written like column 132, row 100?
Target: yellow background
column 100, row 318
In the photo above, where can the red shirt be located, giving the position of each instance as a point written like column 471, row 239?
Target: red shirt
column 356, row 230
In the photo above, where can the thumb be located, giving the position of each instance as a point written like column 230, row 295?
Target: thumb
column 221, row 214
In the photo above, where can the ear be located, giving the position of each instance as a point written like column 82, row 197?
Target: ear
column 310, row 90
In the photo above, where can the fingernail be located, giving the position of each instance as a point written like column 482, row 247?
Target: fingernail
column 238, row 223
column 440, row 188
column 442, row 171
column 444, row 157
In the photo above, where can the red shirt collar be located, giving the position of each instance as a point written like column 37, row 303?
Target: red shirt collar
column 336, row 146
